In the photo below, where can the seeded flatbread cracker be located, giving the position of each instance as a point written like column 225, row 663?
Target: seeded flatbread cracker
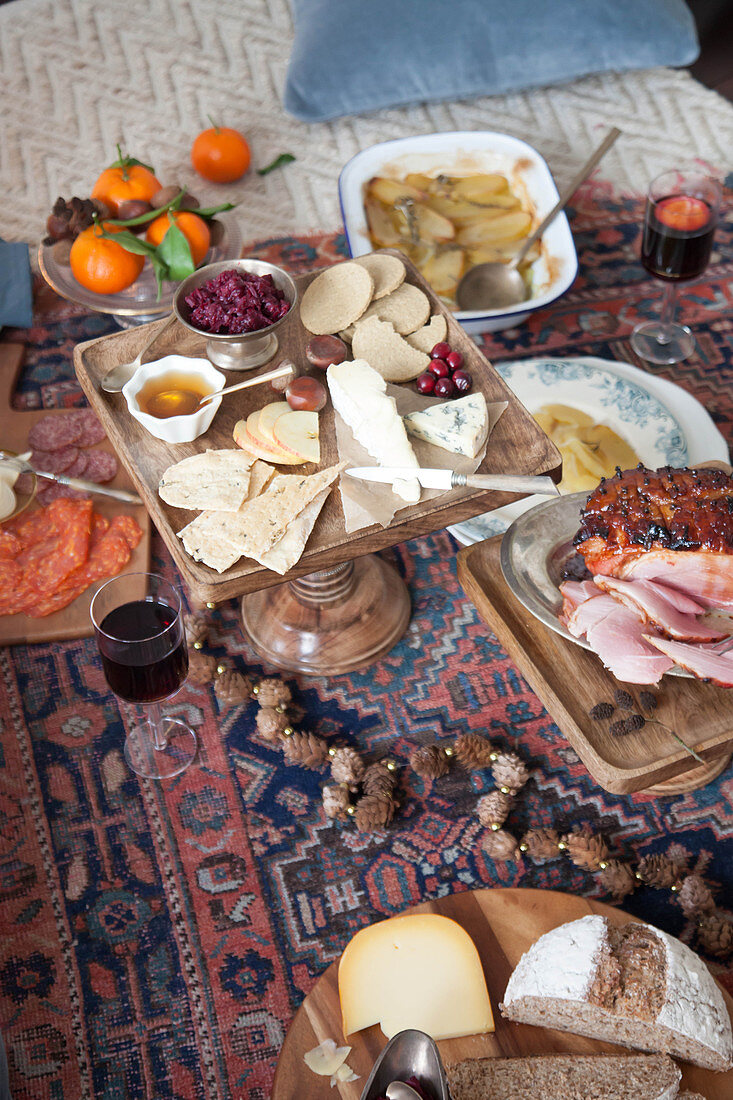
column 429, row 335
column 218, row 480
column 387, row 271
column 336, row 298
column 207, row 542
column 287, row 551
column 261, row 475
column 387, row 352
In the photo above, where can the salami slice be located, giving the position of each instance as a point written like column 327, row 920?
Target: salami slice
column 51, row 433
column 129, row 528
column 55, row 462
column 101, row 466
column 92, row 431
column 48, row 564
column 54, row 491
column 78, row 466
column 10, row 545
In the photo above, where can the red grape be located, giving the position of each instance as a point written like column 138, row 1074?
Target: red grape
column 425, row 383
column 439, row 368
column 444, row 388
column 305, row 394
column 440, row 350
column 462, row 380
column 454, row 359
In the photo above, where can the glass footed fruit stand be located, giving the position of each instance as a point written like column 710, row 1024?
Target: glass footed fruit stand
column 137, row 304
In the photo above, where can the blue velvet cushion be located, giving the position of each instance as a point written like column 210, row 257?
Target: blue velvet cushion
column 352, row 56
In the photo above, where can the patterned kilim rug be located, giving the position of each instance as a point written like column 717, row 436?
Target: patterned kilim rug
column 156, row 939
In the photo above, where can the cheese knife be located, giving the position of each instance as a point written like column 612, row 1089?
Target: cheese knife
column 73, row 482
column 449, row 479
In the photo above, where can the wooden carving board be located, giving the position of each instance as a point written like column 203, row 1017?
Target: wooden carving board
column 503, row 924
column 72, row 621
column 517, row 445
column 570, row 681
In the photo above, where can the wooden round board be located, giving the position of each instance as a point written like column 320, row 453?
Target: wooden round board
column 502, row 924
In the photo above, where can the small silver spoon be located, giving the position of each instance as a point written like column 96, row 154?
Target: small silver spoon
column 400, row 1090
column 497, row 285
column 279, row 372
column 120, row 375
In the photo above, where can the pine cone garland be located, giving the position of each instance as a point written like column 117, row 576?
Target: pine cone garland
column 336, row 801
column 500, row 845
column 272, row 693
column 617, row 879
column 694, row 896
column 510, row 772
column 201, row 667
column 541, row 845
column 586, row 849
column 271, row 723
column 715, row 935
column 347, row 767
column 196, row 626
column 430, row 762
column 232, row 688
column 658, row 870
column 493, row 809
column 380, row 780
column 473, row 750
column 306, row 749
column 373, row 812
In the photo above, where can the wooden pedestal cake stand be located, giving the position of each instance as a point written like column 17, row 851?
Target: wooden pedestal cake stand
column 340, row 607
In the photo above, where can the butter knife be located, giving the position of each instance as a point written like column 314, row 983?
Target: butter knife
column 448, row 479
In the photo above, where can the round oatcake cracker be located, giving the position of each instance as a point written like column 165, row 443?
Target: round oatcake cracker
column 407, row 308
column 425, row 338
column 336, row 298
column 387, row 271
column 386, row 351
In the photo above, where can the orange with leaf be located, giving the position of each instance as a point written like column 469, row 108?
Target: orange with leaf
column 102, row 265
column 125, row 180
column 194, row 229
column 220, row 154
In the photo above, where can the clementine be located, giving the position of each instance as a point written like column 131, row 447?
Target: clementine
column 102, row 265
column 220, row 154
column 122, row 182
column 194, row 229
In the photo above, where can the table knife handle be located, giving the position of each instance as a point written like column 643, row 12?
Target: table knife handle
column 508, row 483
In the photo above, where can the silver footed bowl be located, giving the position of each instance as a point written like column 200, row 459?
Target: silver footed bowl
column 242, row 350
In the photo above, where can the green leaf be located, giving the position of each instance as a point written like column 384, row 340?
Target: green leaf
column 212, row 211
column 686, row 747
column 175, row 251
column 160, row 269
column 129, row 242
column 278, row 162
column 128, row 162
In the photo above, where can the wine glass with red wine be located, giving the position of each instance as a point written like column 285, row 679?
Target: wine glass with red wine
column 142, row 643
column 679, row 226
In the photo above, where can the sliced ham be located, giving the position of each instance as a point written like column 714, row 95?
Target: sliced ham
column 717, row 668
column 616, row 635
column 573, row 594
column 652, row 605
column 699, row 574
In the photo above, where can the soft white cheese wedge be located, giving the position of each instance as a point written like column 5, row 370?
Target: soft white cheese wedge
column 359, row 397
column 459, row 426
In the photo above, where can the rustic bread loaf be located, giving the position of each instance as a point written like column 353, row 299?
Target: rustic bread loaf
column 566, row 1077
column 633, row 985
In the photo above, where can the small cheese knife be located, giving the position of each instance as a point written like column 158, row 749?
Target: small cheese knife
column 448, row 479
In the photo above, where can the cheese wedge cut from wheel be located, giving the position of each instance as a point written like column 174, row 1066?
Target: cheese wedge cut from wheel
column 421, row 971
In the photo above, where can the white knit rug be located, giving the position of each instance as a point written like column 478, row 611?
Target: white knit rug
column 78, row 76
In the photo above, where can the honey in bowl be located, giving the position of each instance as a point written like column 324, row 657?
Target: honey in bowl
column 172, row 394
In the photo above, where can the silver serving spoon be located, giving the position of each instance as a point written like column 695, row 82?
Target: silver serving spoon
column 120, row 375
column 400, row 1090
column 497, row 285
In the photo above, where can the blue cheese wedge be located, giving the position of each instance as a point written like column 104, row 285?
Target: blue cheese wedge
column 459, row 426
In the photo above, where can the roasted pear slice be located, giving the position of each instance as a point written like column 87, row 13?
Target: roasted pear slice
column 391, row 191
column 495, row 232
column 443, row 271
column 382, row 224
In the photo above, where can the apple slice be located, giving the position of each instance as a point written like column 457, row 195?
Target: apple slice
column 267, row 418
column 297, row 433
column 255, row 446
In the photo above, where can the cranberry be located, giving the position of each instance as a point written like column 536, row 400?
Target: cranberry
column 454, row 359
column 444, row 388
column 425, row 382
column 462, row 380
column 440, row 350
column 440, row 368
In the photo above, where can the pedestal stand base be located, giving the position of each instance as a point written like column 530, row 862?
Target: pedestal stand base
column 693, row 780
column 329, row 622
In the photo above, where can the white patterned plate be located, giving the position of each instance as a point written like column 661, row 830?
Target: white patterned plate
column 663, row 423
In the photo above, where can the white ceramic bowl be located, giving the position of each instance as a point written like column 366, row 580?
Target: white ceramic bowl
column 175, row 429
column 464, row 153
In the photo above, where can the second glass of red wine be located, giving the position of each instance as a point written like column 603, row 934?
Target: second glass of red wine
column 679, row 226
column 138, row 624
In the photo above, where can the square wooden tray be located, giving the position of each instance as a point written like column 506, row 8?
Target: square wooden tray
column 570, row 681
column 517, row 445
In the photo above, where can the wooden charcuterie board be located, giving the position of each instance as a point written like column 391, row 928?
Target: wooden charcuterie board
column 503, row 924
column 73, row 621
column 570, row 681
column 517, row 445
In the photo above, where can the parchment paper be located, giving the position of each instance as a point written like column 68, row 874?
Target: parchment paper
column 367, row 502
